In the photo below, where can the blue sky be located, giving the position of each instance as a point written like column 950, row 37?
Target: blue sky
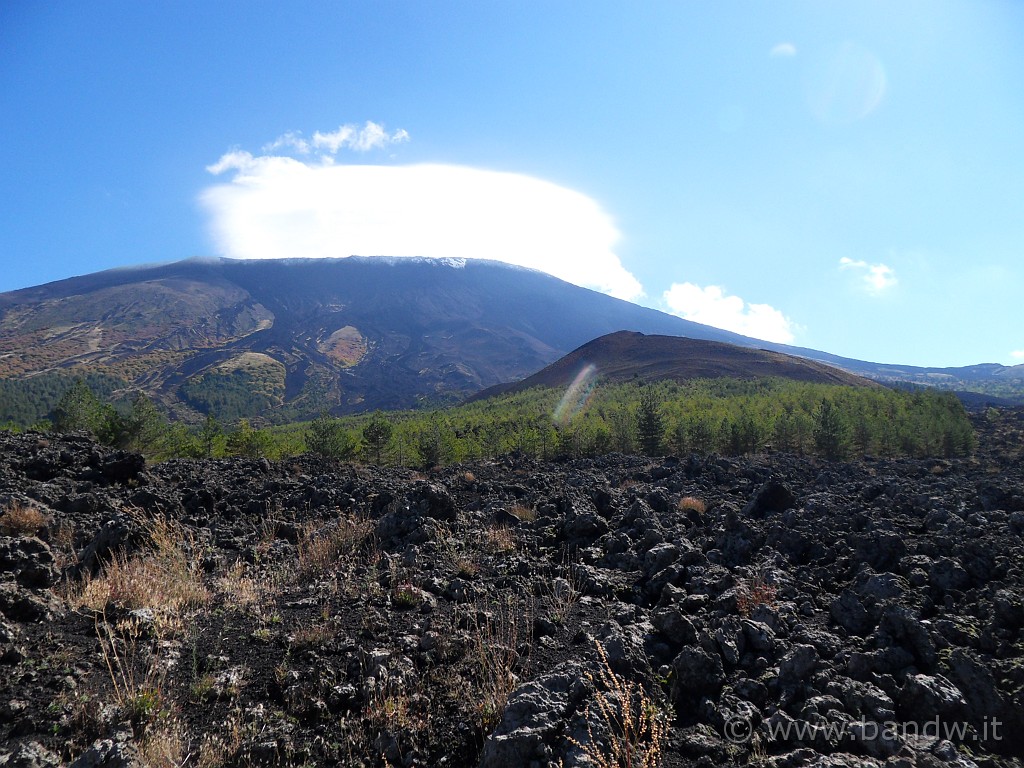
column 842, row 176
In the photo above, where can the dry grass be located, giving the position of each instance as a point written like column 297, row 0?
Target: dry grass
column 322, row 549
column 165, row 745
column 405, row 597
column 451, row 550
column 223, row 744
column 396, row 711
column 312, row 636
column 22, row 520
column 469, row 477
column 133, row 665
column 499, row 538
column 755, row 591
column 522, row 512
column 167, row 578
column 62, row 544
column 242, row 591
column 637, row 728
column 688, row 503
column 497, row 660
column 562, row 594
column 466, row 566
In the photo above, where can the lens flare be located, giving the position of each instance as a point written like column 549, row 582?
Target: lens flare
column 577, row 395
column 848, row 86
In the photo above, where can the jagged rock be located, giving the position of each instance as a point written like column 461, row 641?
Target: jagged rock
column 772, row 496
column 849, row 612
column 108, row 753
column 29, row 560
column 947, row 574
column 30, row 755
column 121, row 467
column 659, row 557
column 901, row 627
column 676, row 627
column 696, row 673
column 432, row 500
column 20, row 604
column 862, row 699
column 533, row 720
column 581, row 529
column 113, row 534
column 10, row 651
column 759, row 637
column 926, row 696
column 797, row 664
column 977, row 684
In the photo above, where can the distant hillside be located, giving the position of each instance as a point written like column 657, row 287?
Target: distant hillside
column 628, row 355
column 284, row 338
column 289, row 336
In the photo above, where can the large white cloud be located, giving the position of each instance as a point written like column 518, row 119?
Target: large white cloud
column 712, row 306
column 275, row 206
column 876, row 278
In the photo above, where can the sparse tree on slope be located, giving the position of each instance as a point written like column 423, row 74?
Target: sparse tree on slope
column 377, row 435
column 831, row 432
column 328, row 437
column 650, row 424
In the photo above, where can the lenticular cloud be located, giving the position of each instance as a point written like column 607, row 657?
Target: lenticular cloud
column 278, row 207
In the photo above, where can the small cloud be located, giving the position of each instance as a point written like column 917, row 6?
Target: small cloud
column 712, row 306
column 275, row 206
column 290, row 140
column 349, row 136
column 236, row 160
column 783, row 51
column 877, row 278
column 370, row 136
column 1017, row 354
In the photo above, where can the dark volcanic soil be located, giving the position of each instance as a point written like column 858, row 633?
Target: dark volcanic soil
column 239, row 612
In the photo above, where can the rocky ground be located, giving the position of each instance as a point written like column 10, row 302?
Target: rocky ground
column 774, row 611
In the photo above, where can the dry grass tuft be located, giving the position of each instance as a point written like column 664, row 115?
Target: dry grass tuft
column 755, row 591
column 466, row 567
column 469, row 477
column 223, row 744
column 312, row 636
column 497, row 660
column 165, row 745
column 243, row 591
column 134, row 667
column 688, row 503
column 562, row 593
column 637, row 728
column 22, row 520
column 167, row 578
column 524, row 513
column 322, row 549
column 499, row 538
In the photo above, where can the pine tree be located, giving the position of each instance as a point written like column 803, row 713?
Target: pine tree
column 144, row 426
column 650, row 424
column 327, row 437
column 377, row 435
column 831, row 432
column 78, row 409
column 210, row 436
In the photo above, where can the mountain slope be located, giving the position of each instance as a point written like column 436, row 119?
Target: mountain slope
column 360, row 332
column 628, row 355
